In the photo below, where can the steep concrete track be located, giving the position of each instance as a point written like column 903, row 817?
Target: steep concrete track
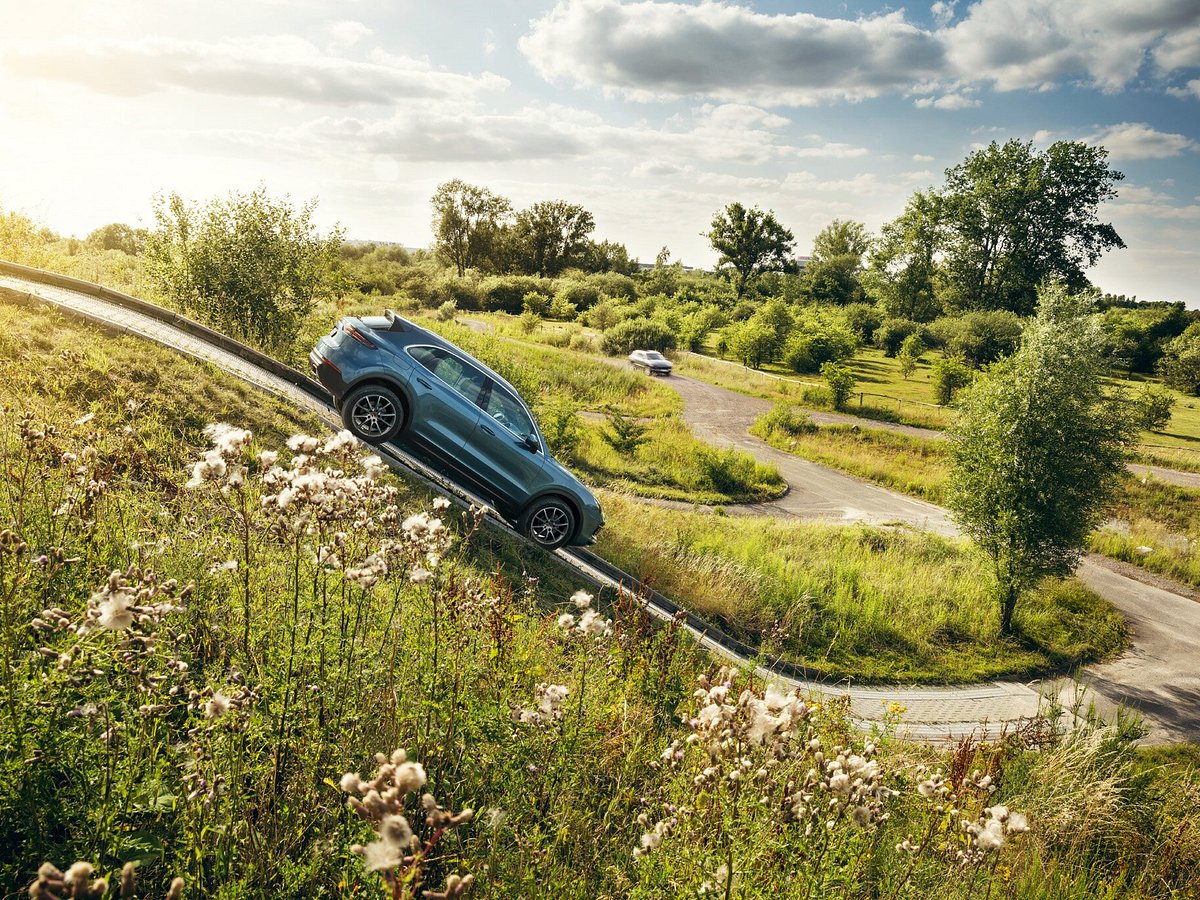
column 934, row 713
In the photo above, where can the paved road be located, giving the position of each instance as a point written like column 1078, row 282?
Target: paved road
column 1159, row 675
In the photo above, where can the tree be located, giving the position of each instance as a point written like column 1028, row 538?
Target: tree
column 749, row 242
column 950, row 375
column 904, row 269
column 1038, row 448
column 911, row 350
column 18, row 237
column 1180, row 364
column 841, row 383
column 551, row 235
column 118, row 236
column 1015, row 217
column 607, row 256
column 466, row 223
column 248, row 265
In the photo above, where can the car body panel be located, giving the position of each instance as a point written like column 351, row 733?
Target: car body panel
column 462, row 416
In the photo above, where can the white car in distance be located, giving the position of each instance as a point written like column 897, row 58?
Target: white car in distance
column 652, row 361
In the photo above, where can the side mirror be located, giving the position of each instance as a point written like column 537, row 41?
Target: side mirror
column 532, row 443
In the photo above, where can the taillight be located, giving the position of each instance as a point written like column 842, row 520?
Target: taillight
column 358, row 336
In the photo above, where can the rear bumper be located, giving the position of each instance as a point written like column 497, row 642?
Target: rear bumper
column 329, row 376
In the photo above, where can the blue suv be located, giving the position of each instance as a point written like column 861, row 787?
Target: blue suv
column 392, row 380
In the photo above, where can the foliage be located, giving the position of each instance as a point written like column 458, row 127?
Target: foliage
column 753, row 342
column 249, row 265
column 911, row 350
column 559, row 419
column 1180, row 364
column 550, row 236
column 1137, row 334
column 831, row 276
column 447, row 311
column 506, row 293
column 892, row 332
column 19, row 237
column 1153, row 407
column 749, row 242
column 980, row 336
column 467, row 221
column 950, row 375
column 863, row 319
column 817, row 340
column 118, row 236
column 1015, row 217
column 904, row 268
column 841, row 383
column 785, row 419
column 1038, row 448
column 624, row 434
column 637, row 334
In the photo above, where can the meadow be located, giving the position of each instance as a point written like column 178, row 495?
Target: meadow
column 243, row 663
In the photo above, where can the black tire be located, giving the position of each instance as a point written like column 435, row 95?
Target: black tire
column 373, row 413
column 548, row 522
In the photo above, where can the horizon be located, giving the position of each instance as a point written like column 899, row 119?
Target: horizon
column 652, row 115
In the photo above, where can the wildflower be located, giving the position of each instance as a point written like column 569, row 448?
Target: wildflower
column 210, row 468
column 419, row 575
column 302, row 443
column 227, row 440
column 341, row 442
column 83, row 420
column 566, row 621
column 229, row 565
column 267, row 458
column 441, row 503
column 582, row 599
column 369, row 573
column 592, row 625
column 112, row 606
column 217, row 706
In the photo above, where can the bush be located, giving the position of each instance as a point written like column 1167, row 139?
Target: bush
column 637, row 334
column 980, row 337
column 1153, row 408
column 783, row 417
column 840, row 381
column 528, row 321
column 624, row 434
column 506, row 293
column 863, row 319
column 815, row 343
column 949, row 376
column 447, row 311
column 563, row 309
column 910, row 352
column 891, row 334
column 582, row 342
column 536, row 303
column 559, row 421
column 604, row 315
column 731, row 471
column 1180, row 365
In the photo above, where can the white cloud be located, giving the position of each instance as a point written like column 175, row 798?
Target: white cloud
column 1038, row 43
column 1191, row 90
column 348, row 32
column 647, row 50
column 922, row 157
column 1136, row 140
column 282, row 67
column 947, row 101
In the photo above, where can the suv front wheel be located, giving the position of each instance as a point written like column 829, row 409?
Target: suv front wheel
column 548, row 522
column 373, row 413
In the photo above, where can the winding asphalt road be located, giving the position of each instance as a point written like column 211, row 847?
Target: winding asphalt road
column 1159, row 675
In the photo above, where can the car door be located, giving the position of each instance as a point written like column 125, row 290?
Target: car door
column 510, row 462
column 445, row 409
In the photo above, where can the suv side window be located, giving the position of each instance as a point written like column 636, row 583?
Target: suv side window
column 459, row 374
column 508, row 411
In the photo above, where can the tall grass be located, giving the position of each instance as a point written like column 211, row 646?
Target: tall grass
column 868, row 603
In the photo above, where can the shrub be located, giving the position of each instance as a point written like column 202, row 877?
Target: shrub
column 637, row 334
column 891, row 334
column 982, row 336
column 582, row 342
column 840, row 381
column 614, row 284
column 815, row 343
column 447, row 311
column 1153, row 408
column 730, row 471
column 559, row 420
column 528, row 321
column 536, row 303
column 785, row 418
column 754, row 342
column 910, row 352
column 624, row 434
column 506, row 293
column 563, row 309
column 863, row 319
column 1180, row 365
column 604, row 315
column 949, row 376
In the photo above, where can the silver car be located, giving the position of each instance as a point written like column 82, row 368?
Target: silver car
column 652, row 361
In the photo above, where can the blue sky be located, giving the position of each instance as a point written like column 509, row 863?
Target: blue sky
column 651, row 114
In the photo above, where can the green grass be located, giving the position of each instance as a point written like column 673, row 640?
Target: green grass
column 868, row 603
column 674, row 465
column 107, row 752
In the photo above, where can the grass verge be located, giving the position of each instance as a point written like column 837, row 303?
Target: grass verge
column 856, row 602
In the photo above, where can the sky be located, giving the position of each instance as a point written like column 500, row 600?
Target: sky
column 653, row 115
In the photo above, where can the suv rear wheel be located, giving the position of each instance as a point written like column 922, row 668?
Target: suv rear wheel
column 373, row 413
column 548, row 522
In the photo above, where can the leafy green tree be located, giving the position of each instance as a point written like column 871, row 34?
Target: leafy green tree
column 551, row 236
column 1138, row 333
column 979, row 337
column 1180, row 364
column 754, row 341
column 1153, row 407
column 904, row 269
column 950, row 375
column 910, row 354
column 249, row 265
column 1015, row 217
column 832, row 275
column 118, row 236
column 815, row 340
column 891, row 333
column 749, row 242
column 841, row 383
column 607, row 256
column 467, row 222
column 1038, row 448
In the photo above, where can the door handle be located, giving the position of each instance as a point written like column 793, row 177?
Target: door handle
column 425, row 384
column 487, row 430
